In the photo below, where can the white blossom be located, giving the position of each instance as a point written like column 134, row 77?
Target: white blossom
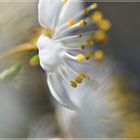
column 66, row 49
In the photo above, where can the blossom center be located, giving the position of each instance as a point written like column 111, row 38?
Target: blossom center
column 51, row 53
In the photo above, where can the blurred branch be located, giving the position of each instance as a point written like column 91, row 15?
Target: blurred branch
column 26, row 47
column 10, row 73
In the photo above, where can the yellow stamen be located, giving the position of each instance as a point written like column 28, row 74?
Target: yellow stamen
column 101, row 37
column 79, row 36
column 89, row 42
column 71, row 22
column 64, row 1
column 97, row 16
column 105, row 25
column 88, row 55
column 82, row 47
column 80, row 57
column 94, row 5
column 73, row 84
column 82, row 74
column 86, row 10
column 78, row 79
column 81, row 23
column 99, row 55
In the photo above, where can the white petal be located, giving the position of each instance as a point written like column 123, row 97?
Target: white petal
column 93, row 70
column 47, row 12
column 65, row 94
column 70, row 9
column 58, row 90
column 98, row 116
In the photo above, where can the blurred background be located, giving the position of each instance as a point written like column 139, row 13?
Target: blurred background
column 25, row 103
column 124, row 34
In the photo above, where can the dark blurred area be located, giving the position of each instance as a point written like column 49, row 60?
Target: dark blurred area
column 124, row 34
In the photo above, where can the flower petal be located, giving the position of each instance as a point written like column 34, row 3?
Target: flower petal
column 94, row 71
column 64, row 93
column 70, row 9
column 58, row 91
column 47, row 12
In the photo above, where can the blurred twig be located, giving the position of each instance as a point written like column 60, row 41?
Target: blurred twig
column 26, row 47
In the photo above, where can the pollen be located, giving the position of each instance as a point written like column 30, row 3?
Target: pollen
column 101, row 36
column 64, row 1
column 82, row 74
column 71, row 22
column 97, row 16
column 89, row 42
column 105, row 25
column 88, row 55
column 80, row 57
column 99, row 55
column 73, row 84
column 82, row 47
column 86, row 10
column 78, row 79
column 79, row 36
column 81, row 23
column 94, row 5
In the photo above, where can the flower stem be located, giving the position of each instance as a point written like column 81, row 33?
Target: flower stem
column 23, row 48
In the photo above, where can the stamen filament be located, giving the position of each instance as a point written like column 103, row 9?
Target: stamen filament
column 71, row 69
column 72, row 82
column 69, row 38
column 72, row 49
column 80, row 14
column 71, row 26
column 61, row 73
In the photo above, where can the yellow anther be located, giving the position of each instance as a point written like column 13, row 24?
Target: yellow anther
column 81, row 23
column 99, row 55
column 73, row 84
column 105, row 25
column 94, row 5
column 89, row 42
column 80, row 57
column 82, row 47
column 86, row 10
column 71, row 22
column 101, row 36
column 88, row 55
column 97, row 16
column 78, row 79
column 64, row 1
column 82, row 74
column 79, row 36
